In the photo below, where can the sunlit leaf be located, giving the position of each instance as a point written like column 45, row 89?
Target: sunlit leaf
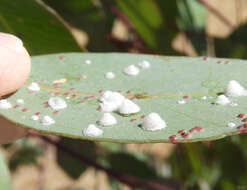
column 157, row 89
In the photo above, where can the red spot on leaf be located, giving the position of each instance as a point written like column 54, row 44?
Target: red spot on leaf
column 186, row 135
column 181, row 131
column 186, row 97
column 133, row 120
column 244, row 120
column 16, row 106
column 37, row 113
column 56, row 112
column 173, row 139
column 25, row 110
column 61, row 57
column 143, row 116
column 196, row 129
column 241, row 115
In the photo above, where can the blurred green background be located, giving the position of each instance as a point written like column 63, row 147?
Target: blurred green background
column 168, row 27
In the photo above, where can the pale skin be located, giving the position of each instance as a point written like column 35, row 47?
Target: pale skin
column 15, row 66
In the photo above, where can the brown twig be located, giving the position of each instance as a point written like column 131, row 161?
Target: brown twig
column 138, row 43
column 129, row 180
column 217, row 13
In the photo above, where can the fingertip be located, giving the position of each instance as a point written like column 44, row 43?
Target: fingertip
column 15, row 63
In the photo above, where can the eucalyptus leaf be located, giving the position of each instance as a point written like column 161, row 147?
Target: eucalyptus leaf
column 4, row 174
column 41, row 31
column 157, row 89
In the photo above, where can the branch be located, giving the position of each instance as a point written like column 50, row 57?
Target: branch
column 138, row 43
column 132, row 181
column 217, row 13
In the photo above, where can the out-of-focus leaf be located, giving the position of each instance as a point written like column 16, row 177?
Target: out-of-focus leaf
column 41, row 32
column 4, row 174
column 27, row 153
column 192, row 15
column 112, row 147
column 147, row 20
column 89, row 17
column 234, row 46
column 130, row 165
column 192, row 20
column 73, row 167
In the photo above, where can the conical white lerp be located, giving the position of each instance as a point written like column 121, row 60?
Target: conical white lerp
column 107, row 120
column 92, row 131
column 128, row 107
column 111, row 101
column 222, row 100
column 153, row 122
column 234, row 89
column 4, row 104
column 57, row 103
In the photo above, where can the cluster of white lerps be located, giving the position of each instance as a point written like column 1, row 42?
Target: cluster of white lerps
column 133, row 70
column 116, row 102
column 234, row 89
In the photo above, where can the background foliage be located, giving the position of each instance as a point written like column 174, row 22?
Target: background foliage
column 171, row 27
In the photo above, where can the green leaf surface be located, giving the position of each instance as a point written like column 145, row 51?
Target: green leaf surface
column 157, row 89
column 40, row 30
column 4, row 174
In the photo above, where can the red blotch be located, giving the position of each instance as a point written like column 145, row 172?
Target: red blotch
column 74, row 95
column 66, row 93
column 173, row 139
column 227, row 62
column 205, row 58
column 186, row 135
column 25, row 110
column 181, row 131
column 219, row 62
column 101, row 91
column 128, row 92
column 244, row 120
column 56, row 112
column 57, row 93
column 143, row 116
column 242, row 128
column 61, row 57
column 196, row 129
column 241, row 115
column 186, row 97
column 37, row 113
column 133, row 120
column 98, row 108
column 16, row 106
